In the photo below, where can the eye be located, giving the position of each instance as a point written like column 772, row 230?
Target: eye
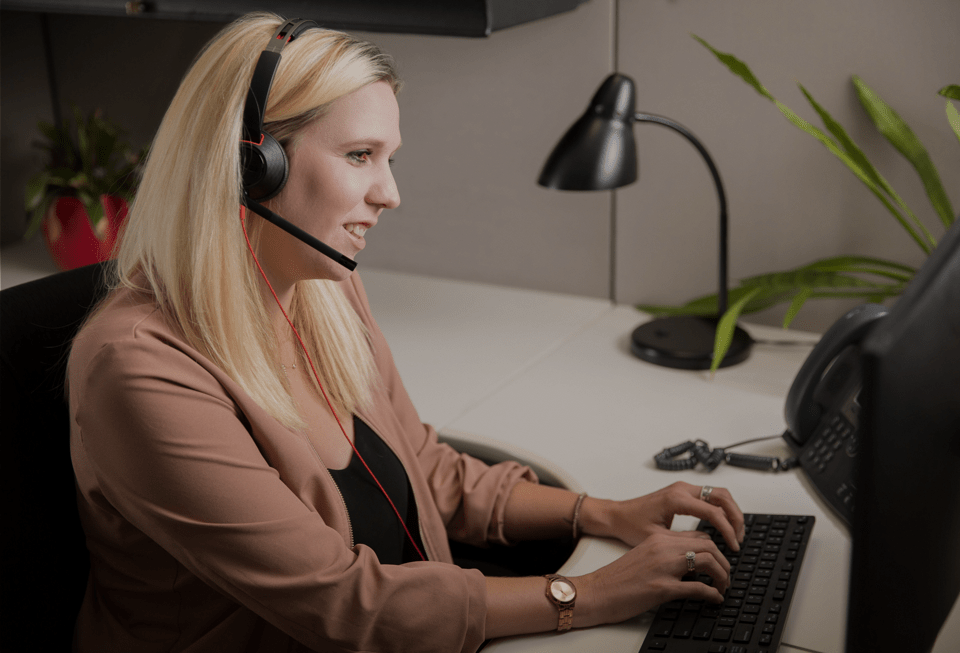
column 360, row 156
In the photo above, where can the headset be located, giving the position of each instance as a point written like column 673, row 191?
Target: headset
column 263, row 162
column 265, row 169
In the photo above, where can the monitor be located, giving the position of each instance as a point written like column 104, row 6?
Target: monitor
column 905, row 565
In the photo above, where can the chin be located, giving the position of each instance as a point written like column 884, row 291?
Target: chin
column 331, row 270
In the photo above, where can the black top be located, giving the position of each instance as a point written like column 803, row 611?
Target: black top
column 373, row 520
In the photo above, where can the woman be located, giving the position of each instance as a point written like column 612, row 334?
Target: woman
column 221, row 454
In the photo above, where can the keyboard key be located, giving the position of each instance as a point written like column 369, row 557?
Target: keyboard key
column 703, row 629
column 743, row 634
column 722, row 634
column 663, row 629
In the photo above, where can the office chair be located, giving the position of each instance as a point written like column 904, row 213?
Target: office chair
column 44, row 558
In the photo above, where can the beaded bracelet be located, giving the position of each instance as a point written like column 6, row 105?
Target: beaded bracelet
column 576, row 514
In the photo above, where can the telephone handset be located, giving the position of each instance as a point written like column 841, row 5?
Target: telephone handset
column 822, row 410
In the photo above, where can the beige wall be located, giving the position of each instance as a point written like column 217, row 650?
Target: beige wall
column 790, row 200
column 480, row 116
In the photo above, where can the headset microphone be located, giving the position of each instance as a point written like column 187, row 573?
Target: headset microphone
column 300, row 234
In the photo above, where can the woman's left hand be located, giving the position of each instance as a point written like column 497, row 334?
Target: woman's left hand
column 635, row 520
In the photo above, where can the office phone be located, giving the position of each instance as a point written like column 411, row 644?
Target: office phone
column 822, row 413
column 822, row 409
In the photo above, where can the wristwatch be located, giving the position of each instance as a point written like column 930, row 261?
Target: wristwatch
column 563, row 594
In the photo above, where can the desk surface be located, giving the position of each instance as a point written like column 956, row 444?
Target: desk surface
column 553, row 375
column 550, row 378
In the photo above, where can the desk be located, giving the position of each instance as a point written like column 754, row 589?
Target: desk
column 553, row 375
column 550, row 379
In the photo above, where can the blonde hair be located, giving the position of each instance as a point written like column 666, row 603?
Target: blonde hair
column 184, row 237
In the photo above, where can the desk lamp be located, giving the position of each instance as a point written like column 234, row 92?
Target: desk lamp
column 599, row 153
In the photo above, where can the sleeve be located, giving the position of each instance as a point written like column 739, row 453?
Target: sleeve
column 470, row 495
column 173, row 456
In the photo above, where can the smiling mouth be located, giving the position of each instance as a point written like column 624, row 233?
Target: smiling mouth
column 356, row 229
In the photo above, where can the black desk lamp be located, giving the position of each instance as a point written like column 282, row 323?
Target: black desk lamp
column 599, row 153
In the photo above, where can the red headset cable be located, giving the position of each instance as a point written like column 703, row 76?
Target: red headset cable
column 316, row 376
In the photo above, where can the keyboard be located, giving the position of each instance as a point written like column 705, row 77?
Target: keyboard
column 763, row 576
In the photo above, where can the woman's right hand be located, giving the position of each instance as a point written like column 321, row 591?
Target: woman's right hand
column 648, row 575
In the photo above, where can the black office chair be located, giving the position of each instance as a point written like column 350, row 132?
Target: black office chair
column 44, row 558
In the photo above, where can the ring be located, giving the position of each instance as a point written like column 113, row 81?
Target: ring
column 705, row 493
column 691, row 561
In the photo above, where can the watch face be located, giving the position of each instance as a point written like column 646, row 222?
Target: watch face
column 562, row 591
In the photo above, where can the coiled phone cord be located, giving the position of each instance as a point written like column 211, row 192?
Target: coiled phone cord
column 699, row 453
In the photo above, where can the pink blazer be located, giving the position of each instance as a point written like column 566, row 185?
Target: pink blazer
column 211, row 527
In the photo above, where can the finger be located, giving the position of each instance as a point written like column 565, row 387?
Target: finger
column 696, row 590
column 714, row 514
column 706, row 551
column 706, row 563
column 696, row 535
column 722, row 498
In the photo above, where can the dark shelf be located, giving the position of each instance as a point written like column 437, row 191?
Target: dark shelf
column 475, row 18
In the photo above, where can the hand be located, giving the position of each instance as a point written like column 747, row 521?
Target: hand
column 648, row 575
column 635, row 520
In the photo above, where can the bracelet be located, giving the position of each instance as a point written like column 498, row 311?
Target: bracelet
column 576, row 514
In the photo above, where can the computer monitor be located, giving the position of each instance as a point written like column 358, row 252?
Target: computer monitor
column 905, row 565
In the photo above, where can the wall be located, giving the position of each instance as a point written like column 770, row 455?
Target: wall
column 480, row 116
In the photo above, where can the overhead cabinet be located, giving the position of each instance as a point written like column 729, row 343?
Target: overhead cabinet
column 476, row 18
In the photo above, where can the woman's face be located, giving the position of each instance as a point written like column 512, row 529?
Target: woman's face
column 340, row 181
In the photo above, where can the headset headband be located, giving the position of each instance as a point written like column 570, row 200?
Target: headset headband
column 263, row 74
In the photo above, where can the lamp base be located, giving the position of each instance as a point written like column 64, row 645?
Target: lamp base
column 686, row 342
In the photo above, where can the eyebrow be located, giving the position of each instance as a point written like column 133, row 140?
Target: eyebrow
column 370, row 141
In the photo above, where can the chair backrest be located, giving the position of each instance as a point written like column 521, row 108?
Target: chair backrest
column 44, row 558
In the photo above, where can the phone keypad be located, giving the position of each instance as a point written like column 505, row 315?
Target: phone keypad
column 828, row 442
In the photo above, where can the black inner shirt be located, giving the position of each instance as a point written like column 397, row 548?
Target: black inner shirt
column 373, row 520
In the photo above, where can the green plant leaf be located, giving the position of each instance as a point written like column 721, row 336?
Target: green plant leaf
column 835, row 149
column 953, row 117
column 738, row 68
column 35, row 190
column 856, row 154
column 951, row 91
column 850, row 277
column 726, row 327
column 893, row 127
column 798, row 301
column 743, row 71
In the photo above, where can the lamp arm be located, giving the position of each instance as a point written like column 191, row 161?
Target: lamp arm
column 721, row 198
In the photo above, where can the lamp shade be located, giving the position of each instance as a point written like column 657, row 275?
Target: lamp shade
column 598, row 152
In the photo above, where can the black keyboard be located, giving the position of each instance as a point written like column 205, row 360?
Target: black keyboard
column 763, row 576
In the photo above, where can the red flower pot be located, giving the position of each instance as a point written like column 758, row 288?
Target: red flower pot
column 71, row 238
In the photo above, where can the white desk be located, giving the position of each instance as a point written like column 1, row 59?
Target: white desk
column 552, row 375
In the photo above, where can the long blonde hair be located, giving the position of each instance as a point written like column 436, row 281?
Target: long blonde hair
column 184, row 237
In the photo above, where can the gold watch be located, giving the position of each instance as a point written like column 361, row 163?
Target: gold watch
column 563, row 594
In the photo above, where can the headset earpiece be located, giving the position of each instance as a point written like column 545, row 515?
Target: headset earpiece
column 263, row 162
column 264, row 166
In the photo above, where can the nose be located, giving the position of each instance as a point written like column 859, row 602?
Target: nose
column 384, row 191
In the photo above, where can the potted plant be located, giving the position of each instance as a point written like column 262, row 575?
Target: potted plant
column 867, row 278
column 79, row 199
